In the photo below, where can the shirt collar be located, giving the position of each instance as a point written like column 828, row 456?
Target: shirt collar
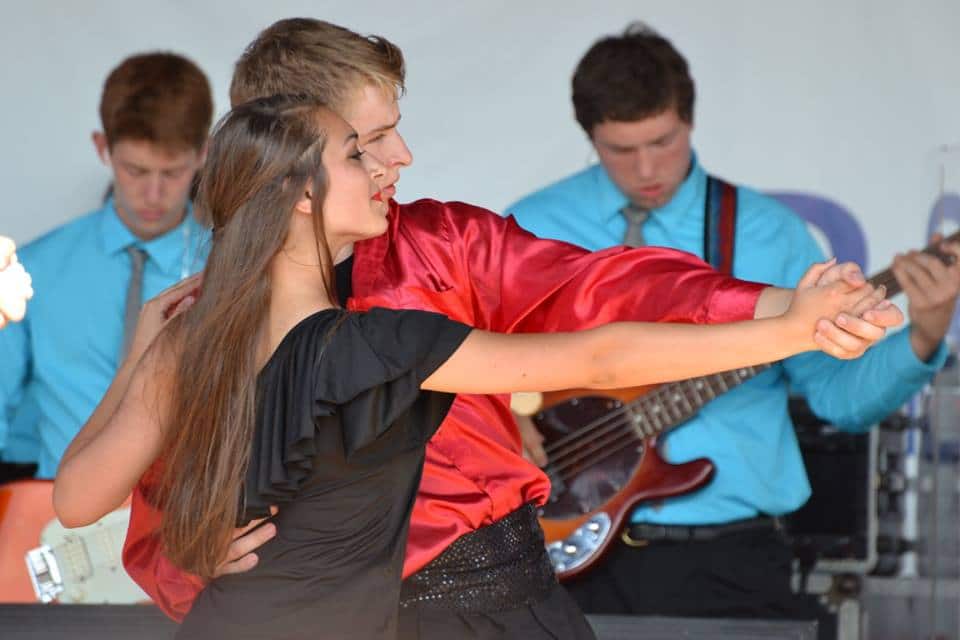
column 167, row 250
column 612, row 200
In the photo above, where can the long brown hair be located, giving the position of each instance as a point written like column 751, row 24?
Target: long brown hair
column 264, row 155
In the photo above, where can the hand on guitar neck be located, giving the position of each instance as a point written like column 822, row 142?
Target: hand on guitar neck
column 931, row 281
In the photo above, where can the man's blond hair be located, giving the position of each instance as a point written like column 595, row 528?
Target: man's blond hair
column 306, row 56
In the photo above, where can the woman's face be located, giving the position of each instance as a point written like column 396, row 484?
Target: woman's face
column 354, row 208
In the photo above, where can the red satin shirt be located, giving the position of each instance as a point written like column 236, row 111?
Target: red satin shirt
column 483, row 270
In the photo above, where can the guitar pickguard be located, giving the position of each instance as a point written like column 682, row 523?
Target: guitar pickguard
column 603, row 463
column 90, row 563
column 589, row 471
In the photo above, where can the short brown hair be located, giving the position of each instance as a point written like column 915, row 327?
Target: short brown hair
column 159, row 97
column 630, row 77
column 302, row 55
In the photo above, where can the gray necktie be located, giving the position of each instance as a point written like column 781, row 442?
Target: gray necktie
column 131, row 311
column 635, row 218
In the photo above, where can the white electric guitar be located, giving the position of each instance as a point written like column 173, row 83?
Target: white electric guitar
column 40, row 560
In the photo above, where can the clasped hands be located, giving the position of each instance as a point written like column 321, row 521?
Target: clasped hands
column 856, row 328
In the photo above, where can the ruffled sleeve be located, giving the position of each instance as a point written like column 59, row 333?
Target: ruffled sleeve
column 346, row 386
column 376, row 378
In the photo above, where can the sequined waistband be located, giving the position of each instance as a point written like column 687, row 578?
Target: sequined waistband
column 499, row 567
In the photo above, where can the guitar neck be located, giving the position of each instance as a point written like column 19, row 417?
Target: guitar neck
column 672, row 404
column 887, row 279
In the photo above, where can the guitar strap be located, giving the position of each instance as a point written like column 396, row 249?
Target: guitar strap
column 719, row 224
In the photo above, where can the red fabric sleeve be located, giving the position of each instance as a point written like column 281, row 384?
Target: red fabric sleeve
column 172, row 589
column 521, row 283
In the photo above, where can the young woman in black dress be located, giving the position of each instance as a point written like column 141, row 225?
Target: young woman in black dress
column 266, row 392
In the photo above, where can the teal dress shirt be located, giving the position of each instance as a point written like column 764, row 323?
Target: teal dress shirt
column 58, row 362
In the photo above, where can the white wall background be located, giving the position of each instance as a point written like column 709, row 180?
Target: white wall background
column 845, row 98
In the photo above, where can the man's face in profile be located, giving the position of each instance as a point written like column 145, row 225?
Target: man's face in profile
column 375, row 115
column 647, row 159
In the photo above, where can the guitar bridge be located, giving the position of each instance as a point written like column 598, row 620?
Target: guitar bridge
column 580, row 546
column 44, row 573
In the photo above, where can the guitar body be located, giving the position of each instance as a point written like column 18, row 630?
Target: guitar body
column 599, row 478
column 85, row 565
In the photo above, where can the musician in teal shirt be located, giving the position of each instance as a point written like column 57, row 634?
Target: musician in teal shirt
column 90, row 275
column 67, row 349
column 634, row 98
column 750, row 438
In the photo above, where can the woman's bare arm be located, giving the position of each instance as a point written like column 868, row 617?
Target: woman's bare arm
column 634, row 354
column 116, row 445
column 616, row 355
column 124, row 434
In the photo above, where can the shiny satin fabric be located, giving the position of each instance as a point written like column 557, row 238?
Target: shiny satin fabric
column 485, row 271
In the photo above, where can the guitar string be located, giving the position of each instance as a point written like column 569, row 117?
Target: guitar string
column 558, row 450
column 575, row 455
column 656, row 394
column 573, row 437
column 608, row 422
column 621, row 440
column 663, row 397
column 606, row 452
column 614, row 433
column 552, row 449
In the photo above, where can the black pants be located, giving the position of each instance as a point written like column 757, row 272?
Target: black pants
column 555, row 618
column 741, row 575
column 495, row 583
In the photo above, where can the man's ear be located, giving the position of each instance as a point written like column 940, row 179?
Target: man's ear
column 103, row 149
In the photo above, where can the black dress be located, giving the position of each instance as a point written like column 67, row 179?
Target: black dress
column 339, row 446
